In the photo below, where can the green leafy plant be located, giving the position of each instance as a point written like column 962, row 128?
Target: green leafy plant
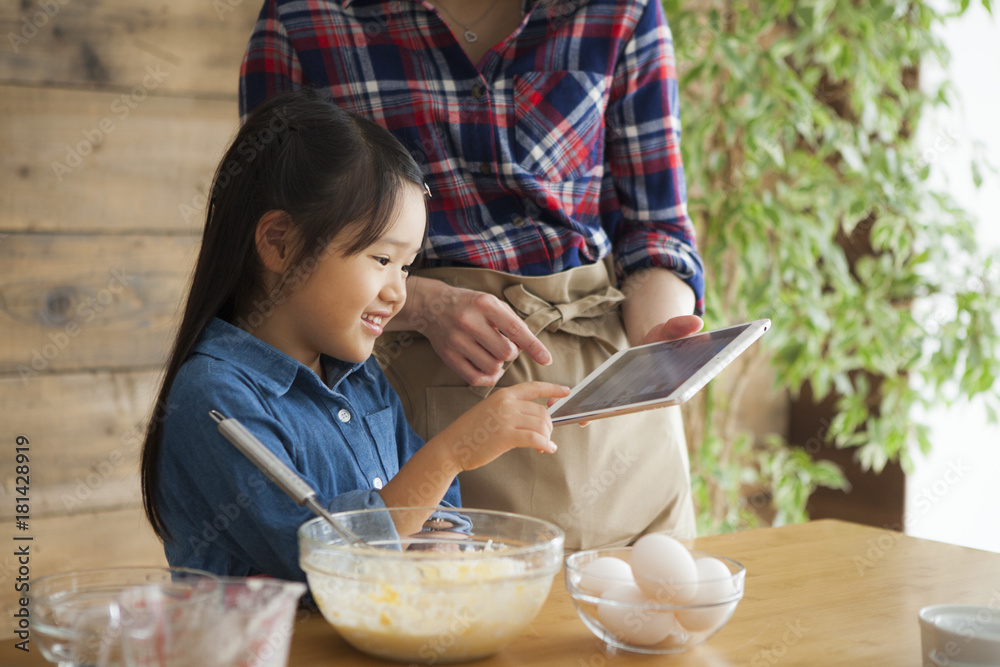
column 814, row 210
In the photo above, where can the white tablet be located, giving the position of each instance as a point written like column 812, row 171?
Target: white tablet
column 655, row 375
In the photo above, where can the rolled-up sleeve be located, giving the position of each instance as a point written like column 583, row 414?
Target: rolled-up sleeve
column 644, row 158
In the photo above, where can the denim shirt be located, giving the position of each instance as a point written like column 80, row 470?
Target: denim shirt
column 345, row 438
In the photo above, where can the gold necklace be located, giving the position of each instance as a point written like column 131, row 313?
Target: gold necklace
column 469, row 36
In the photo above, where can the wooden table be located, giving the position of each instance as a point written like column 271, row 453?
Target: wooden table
column 819, row 593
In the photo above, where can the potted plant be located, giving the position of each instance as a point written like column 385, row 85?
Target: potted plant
column 813, row 209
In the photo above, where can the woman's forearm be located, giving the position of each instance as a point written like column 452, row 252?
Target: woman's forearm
column 653, row 296
column 419, row 292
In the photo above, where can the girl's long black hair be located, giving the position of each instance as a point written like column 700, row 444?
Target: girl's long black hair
column 336, row 174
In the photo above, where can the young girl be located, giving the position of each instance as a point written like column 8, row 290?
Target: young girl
column 314, row 218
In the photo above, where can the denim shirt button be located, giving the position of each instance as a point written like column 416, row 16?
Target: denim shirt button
column 377, row 482
column 344, row 416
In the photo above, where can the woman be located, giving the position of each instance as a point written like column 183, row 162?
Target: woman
column 549, row 135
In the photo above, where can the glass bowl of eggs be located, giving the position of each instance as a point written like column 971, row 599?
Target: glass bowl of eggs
column 654, row 597
column 431, row 586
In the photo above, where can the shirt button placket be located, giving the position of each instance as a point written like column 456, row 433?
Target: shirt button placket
column 344, row 415
column 478, row 94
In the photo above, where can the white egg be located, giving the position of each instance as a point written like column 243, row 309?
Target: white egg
column 715, row 585
column 639, row 623
column 664, row 569
column 602, row 573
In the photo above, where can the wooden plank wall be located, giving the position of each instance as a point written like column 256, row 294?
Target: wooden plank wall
column 114, row 116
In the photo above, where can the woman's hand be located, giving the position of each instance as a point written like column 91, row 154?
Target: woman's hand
column 474, row 333
column 507, row 418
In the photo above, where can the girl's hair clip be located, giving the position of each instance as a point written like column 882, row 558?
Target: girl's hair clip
column 427, row 190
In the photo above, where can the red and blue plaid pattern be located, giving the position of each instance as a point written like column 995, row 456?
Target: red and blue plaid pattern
column 561, row 144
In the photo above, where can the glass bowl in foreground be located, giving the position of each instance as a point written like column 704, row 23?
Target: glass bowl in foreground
column 647, row 625
column 76, row 619
column 459, row 589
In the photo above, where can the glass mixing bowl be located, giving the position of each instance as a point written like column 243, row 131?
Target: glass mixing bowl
column 460, row 589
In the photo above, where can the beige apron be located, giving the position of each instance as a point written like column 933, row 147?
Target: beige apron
column 609, row 482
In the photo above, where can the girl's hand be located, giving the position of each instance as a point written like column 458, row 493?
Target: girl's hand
column 474, row 333
column 507, row 418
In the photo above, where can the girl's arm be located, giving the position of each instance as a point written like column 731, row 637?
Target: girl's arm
column 506, row 419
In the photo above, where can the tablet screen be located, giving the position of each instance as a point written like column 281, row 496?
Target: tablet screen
column 649, row 372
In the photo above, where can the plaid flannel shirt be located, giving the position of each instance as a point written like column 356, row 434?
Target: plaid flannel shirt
column 560, row 146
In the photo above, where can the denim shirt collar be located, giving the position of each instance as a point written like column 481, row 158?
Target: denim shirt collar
column 278, row 371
